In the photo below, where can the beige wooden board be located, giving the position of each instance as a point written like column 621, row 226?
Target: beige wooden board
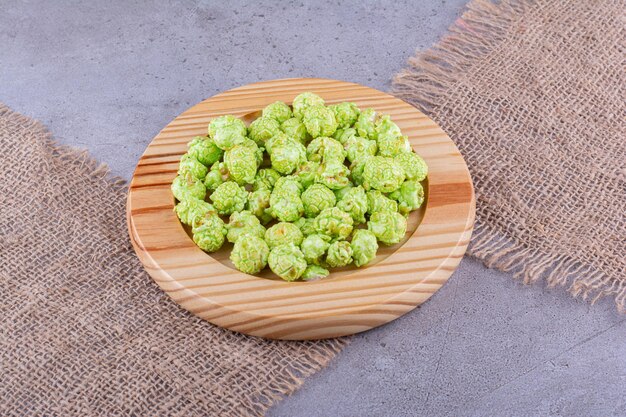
column 350, row 300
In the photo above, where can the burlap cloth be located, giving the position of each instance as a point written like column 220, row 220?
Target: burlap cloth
column 534, row 93
column 84, row 330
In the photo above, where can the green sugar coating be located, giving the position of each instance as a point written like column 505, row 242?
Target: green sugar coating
column 283, row 233
column 295, row 129
column 410, row 196
column 241, row 162
column 204, row 150
column 314, row 272
column 287, row 156
column 326, row 150
column 288, row 185
column 319, row 121
column 229, row 197
column 306, row 226
column 265, row 179
column 306, row 173
column 303, row 101
column 384, row 126
column 383, row 174
column 263, row 129
column 258, row 203
column 278, row 111
column 186, row 186
column 333, row 175
column 334, row 223
column 285, row 207
column 377, row 201
column 414, row 166
column 339, row 254
column 342, row 135
column 317, row 198
column 389, row 227
column 358, row 148
column 190, row 165
column 391, row 145
column 227, row 131
column 217, row 175
column 208, row 233
column 346, row 114
column 354, row 202
column 366, row 124
column 314, row 248
column 192, row 209
column 287, row 261
column 356, row 171
column 250, row 254
column 243, row 222
column 364, row 247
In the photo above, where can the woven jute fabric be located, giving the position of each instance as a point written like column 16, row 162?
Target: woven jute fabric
column 84, row 330
column 534, row 93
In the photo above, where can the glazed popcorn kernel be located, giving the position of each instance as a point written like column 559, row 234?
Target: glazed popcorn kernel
column 287, row 261
column 193, row 208
column 229, row 197
column 278, row 111
column 186, row 186
column 204, row 150
column 314, row 247
column 303, row 101
column 319, row 121
column 209, row 233
column 227, row 131
column 243, row 222
column 389, row 227
column 345, row 114
column 339, row 254
column 250, row 254
column 317, row 198
column 283, row 233
column 295, row 129
column 190, row 165
column 334, row 223
column 364, row 246
column 263, row 129
column 382, row 174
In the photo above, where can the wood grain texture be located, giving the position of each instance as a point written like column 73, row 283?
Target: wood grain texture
column 350, row 300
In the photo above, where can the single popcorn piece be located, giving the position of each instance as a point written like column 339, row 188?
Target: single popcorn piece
column 384, row 126
column 186, row 186
column 314, row 248
column 315, row 272
column 263, row 129
column 414, row 166
column 288, row 185
column 342, row 135
column 319, row 121
column 389, row 227
column 250, row 254
column 229, row 197
column 241, row 162
column 346, row 114
column 354, row 202
column 276, row 140
column 243, row 222
column 306, row 226
column 258, row 151
column 278, row 111
column 317, row 198
column 265, row 179
column 377, row 201
column 209, row 233
column 285, row 207
column 364, row 247
column 227, row 131
column 383, row 174
column 342, row 191
column 287, row 261
column 306, row 173
column 358, row 148
column 339, row 254
column 365, row 124
column 303, row 101
column 258, row 203
column 334, row 222
column 192, row 209
column 190, row 165
column 325, row 150
column 287, row 157
column 283, row 233
column 410, row 196
column 217, row 175
column 356, row 170
column 205, row 150
column 295, row 129
column 333, row 175
column 392, row 145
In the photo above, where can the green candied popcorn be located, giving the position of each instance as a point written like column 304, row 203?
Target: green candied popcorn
column 306, row 226
column 346, row 114
column 364, row 247
column 333, row 175
column 250, row 254
column 354, row 202
column 278, row 111
column 334, row 223
column 285, row 207
column 190, row 165
column 227, row 131
column 283, row 233
column 377, row 201
column 365, row 125
column 208, row 233
column 342, row 191
column 306, row 173
column 384, row 126
column 217, row 175
column 288, row 156
column 315, row 272
column 288, row 185
column 356, row 170
column 389, row 227
column 314, row 247
column 192, row 209
column 229, row 197
column 342, row 135
column 258, row 203
column 278, row 139
column 317, row 198
column 265, row 179
column 383, row 174
column 303, row 101
column 295, row 128
column 262, row 129
column 414, row 166
column 205, row 150
column 186, row 186
column 287, row 261
column 243, row 222
column 325, row 150
column 358, row 148
column 339, row 254
column 258, row 152
column 391, row 145
column 410, row 196
column 319, row 121
column 241, row 162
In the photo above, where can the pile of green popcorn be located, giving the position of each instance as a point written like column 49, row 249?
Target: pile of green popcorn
column 305, row 188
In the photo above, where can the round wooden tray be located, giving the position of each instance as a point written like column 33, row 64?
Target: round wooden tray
column 350, row 300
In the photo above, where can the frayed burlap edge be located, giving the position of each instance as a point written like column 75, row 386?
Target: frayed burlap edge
column 480, row 31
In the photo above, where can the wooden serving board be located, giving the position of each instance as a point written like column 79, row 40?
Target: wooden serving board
column 350, row 300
